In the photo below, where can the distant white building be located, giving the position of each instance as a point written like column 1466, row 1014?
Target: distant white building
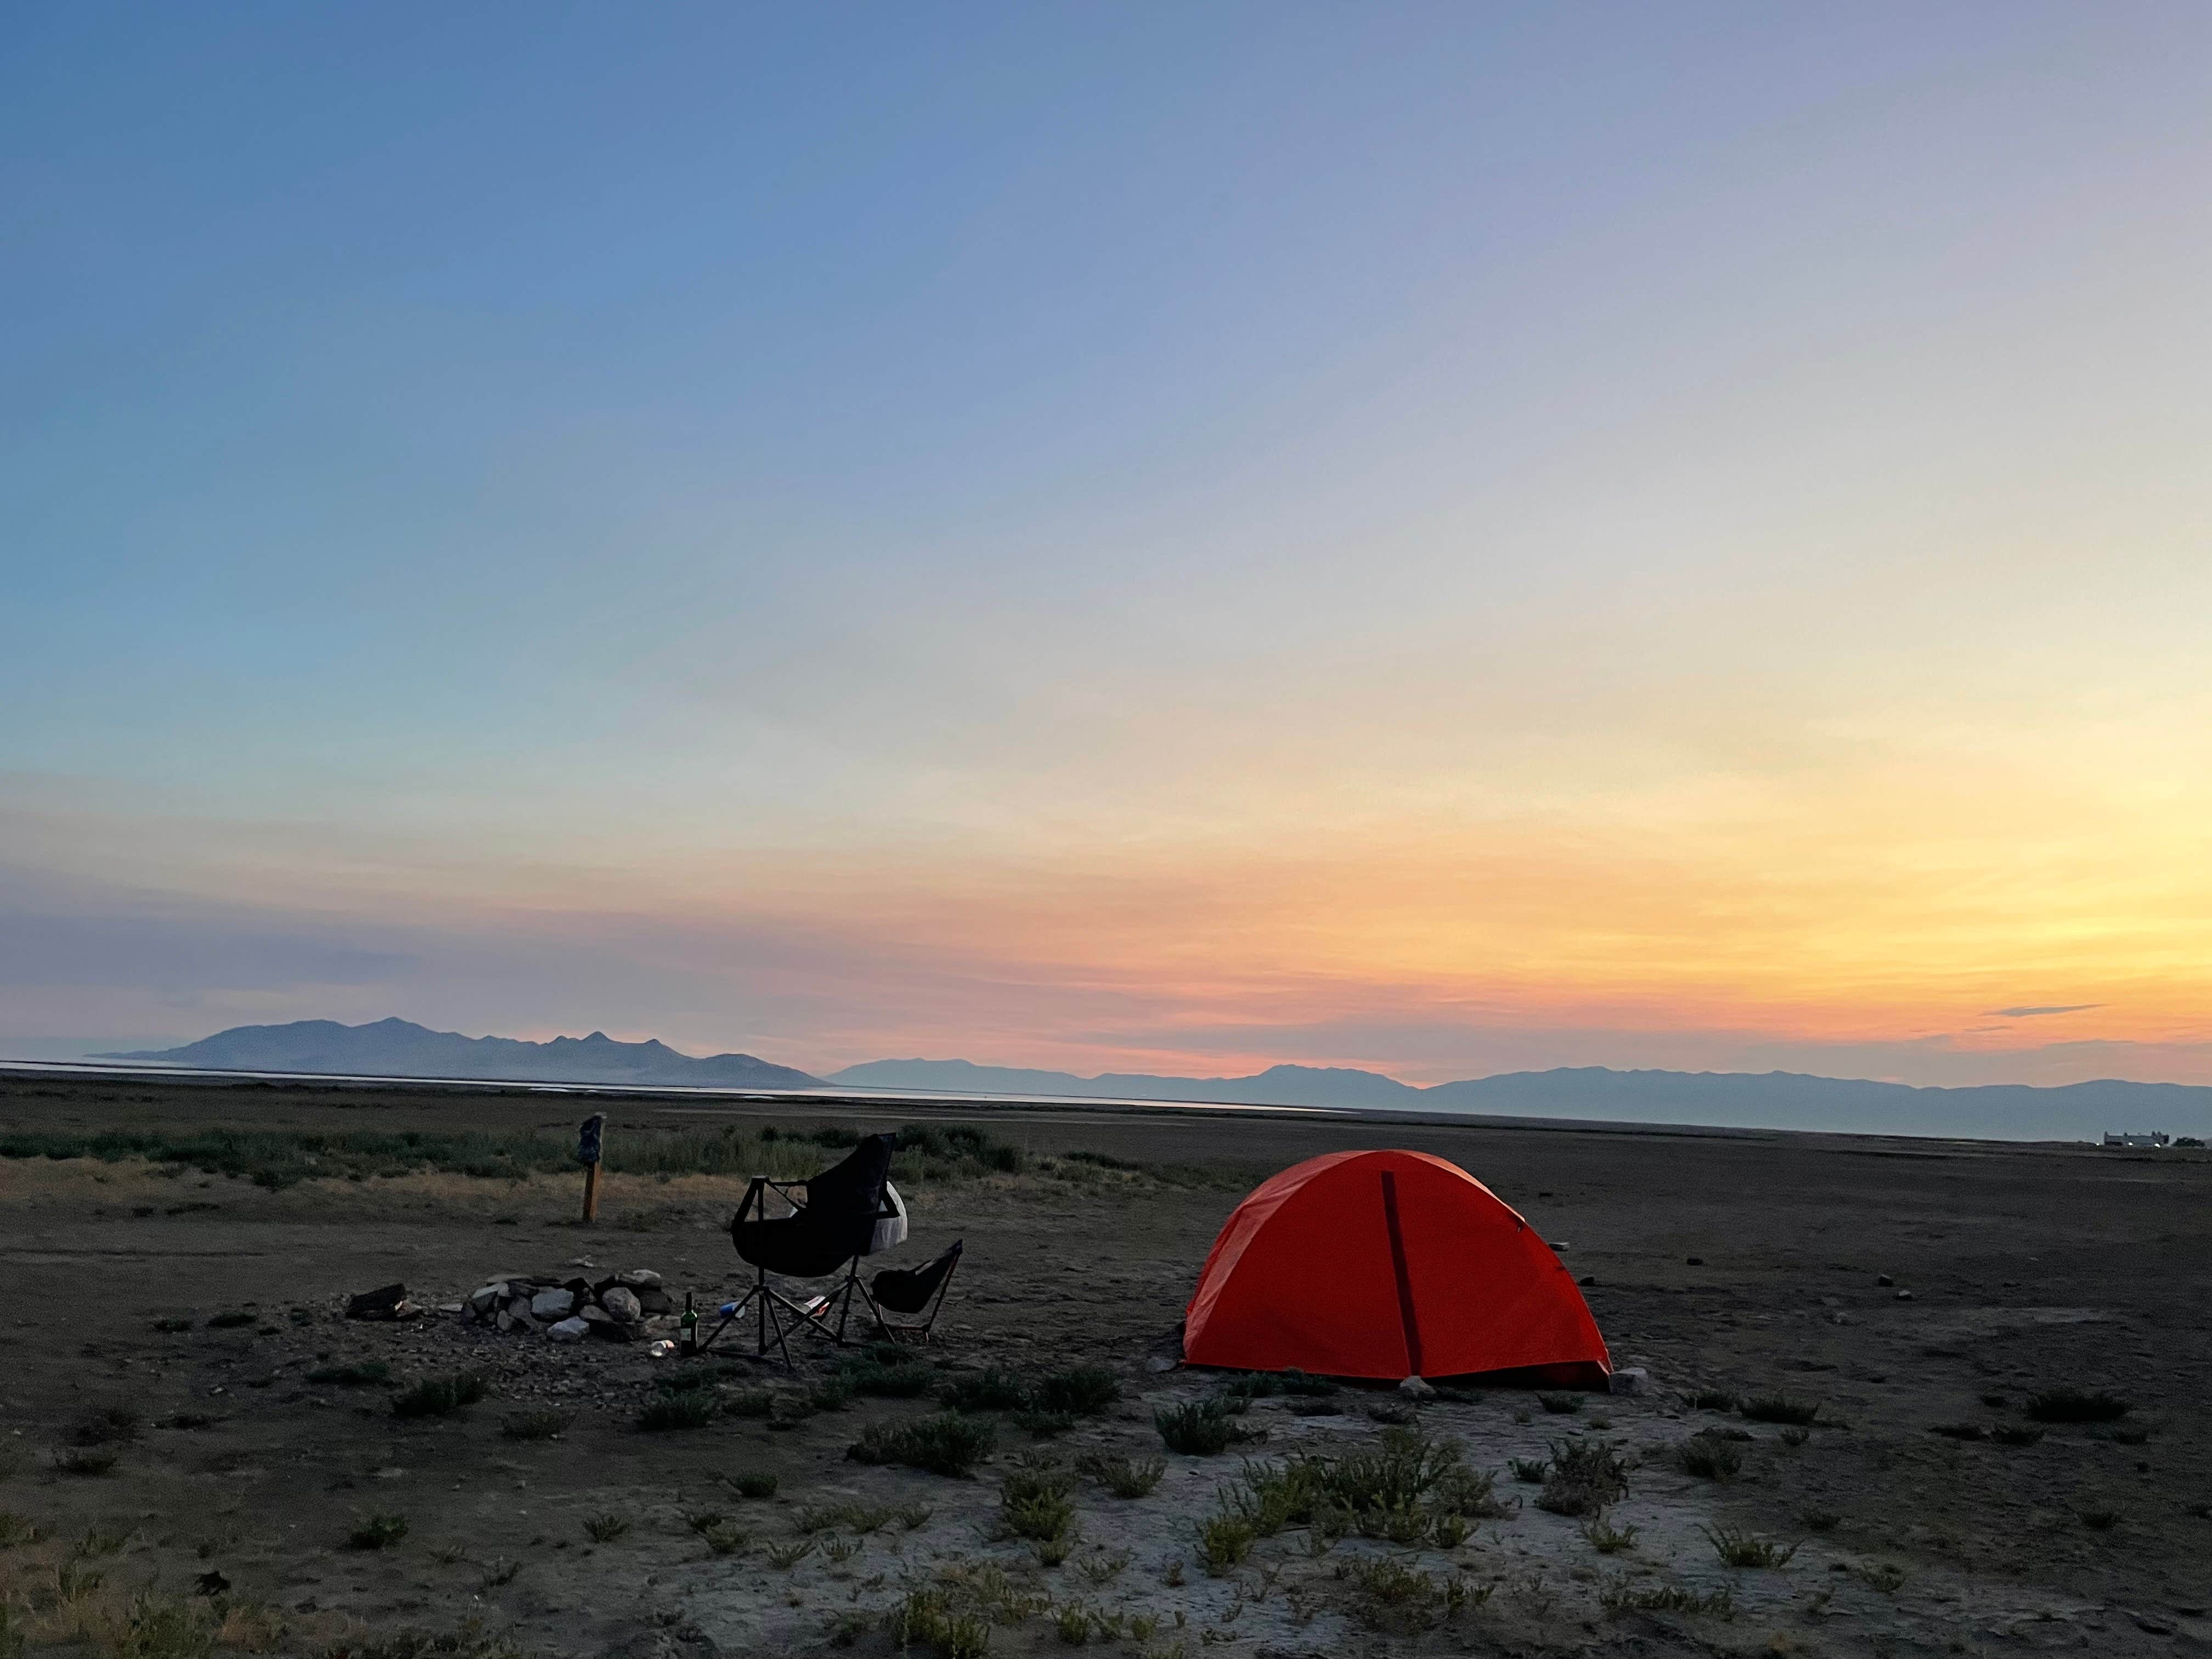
column 2155, row 1138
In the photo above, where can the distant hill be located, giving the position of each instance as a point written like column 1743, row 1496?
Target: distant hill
column 1771, row 1100
column 396, row 1047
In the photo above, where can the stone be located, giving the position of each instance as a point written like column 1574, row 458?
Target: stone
column 1413, row 1388
column 1630, row 1379
column 568, row 1330
column 1884, row 1280
column 624, row 1306
column 553, row 1304
column 1587, row 1279
column 452, row 1307
column 507, row 1322
column 1561, row 1244
column 1904, row 1296
column 594, row 1316
column 1697, row 1262
column 652, row 1300
column 638, row 1279
column 382, row 1303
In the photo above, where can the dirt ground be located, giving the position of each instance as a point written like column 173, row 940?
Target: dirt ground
column 2014, row 1269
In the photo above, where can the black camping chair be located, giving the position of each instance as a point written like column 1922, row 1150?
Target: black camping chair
column 914, row 1291
column 831, row 1225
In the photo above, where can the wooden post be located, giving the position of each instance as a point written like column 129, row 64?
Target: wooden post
column 590, row 1139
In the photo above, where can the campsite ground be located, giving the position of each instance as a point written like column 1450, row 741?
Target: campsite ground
column 2027, row 1269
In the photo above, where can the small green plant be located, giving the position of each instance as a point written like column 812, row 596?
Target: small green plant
column 377, row 1532
column 753, row 1483
column 1794, row 1436
column 784, row 1557
column 1530, row 1471
column 1072, row 1625
column 948, row 1444
column 500, row 1572
column 439, row 1396
column 1051, row 1551
column 841, row 1550
column 847, row 1516
column 1781, row 1408
column 725, row 1539
column 1103, row 1569
column 1560, row 1405
column 1198, row 1428
column 1222, row 1542
column 1125, row 1477
column 1033, row 1502
column 543, row 1425
column 366, row 1374
column 102, row 1541
column 1607, row 1538
column 1449, row 1529
column 926, row 1619
column 1620, row 1595
column 895, row 1375
column 2076, row 1406
column 673, row 1412
column 1884, row 1575
column 1739, row 1548
column 604, row 1528
column 1709, row 1459
column 701, row 1521
column 831, row 1395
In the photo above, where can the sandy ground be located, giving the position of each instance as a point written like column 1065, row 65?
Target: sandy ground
column 2025, row 1268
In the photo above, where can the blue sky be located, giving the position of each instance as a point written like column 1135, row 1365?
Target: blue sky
column 1419, row 537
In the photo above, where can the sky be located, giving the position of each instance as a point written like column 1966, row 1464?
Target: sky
column 1447, row 539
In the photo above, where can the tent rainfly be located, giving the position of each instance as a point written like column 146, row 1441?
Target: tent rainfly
column 1388, row 1264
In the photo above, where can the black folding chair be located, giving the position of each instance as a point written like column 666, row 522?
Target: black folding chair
column 831, row 1225
column 914, row 1291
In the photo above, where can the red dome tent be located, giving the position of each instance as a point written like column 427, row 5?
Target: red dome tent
column 1387, row 1265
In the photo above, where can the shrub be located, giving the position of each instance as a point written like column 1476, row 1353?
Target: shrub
column 1795, row 1436
column 949, row 1444
column 1198, row 1428
column 1709, row 1459
column 753, row 1484
column 676, row 1411
column 1586, row 1476
column 899, row 1379
column 108, row 1425
column 1125, row 1477
column 994, row 1388
column 604, row 1528
column 1739, row 1548
column 1533, row 1471
column 925, row 1620
column 1560, row 1405
column 366, row 1374
column 376, row 1532
column 543, row 1425
column 724, row 1538
column 158, row 1629
column 1083, row 1390
column 1781, row 1408
column 2076, row 1406
column 850, row 1517
column 438, row 1396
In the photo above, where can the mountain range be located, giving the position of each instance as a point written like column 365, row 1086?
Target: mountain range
column 1768, row 1100
column 1772, row 1100
column 398, row 1048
